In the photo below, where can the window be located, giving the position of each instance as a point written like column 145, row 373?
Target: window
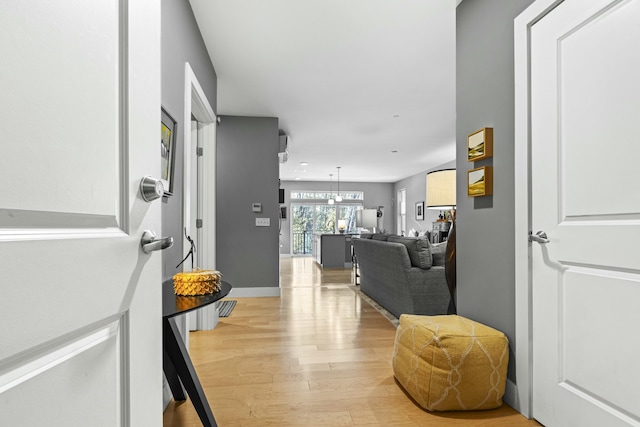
column 311, row 213
column 325, row 195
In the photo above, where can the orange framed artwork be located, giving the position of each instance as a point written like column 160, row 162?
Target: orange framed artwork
column 480, row 144
column 480, row 181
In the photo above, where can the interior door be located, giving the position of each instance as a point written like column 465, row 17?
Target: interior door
column 585, row 105
column 205, row 318
column 81, row 303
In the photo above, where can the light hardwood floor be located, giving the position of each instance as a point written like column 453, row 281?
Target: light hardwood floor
column 317, row 356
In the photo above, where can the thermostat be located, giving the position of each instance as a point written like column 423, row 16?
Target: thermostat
column 256, row 207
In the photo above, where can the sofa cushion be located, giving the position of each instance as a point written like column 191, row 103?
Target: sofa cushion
column 438, row 253
column 380, row 236
column 419, row 250
column 366, row 235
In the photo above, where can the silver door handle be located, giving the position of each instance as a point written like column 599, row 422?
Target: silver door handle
column 150, row 243
column 540, row 237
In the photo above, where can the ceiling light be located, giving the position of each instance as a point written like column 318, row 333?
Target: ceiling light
column 338, row 197
column 304, row 163
column 297, row 178
column 331, row 190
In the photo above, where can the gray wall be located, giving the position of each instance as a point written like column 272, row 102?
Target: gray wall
column 485, row 98
column 247, row 172
column 181, row 42
column 375, row 194
column 416, row 186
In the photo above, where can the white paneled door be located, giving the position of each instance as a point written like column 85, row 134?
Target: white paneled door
column 80, row 303
column 585, row 106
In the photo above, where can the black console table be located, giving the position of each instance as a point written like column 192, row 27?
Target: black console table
column 176, row 362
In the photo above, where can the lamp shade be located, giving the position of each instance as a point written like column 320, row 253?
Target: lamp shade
column 441, row 189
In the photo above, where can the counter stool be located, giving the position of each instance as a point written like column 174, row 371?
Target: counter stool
column 450, row 363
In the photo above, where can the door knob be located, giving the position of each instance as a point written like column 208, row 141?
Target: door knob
column 540, row 237
column 151, row 188
column 150, row 243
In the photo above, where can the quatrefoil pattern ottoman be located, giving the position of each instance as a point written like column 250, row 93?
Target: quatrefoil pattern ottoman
column 450, row 363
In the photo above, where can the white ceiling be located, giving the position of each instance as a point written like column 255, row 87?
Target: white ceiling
column 350, row 80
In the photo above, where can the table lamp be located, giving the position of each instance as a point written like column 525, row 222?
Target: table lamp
column 441, row 194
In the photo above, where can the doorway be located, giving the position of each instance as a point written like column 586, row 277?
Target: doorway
column 199, row 188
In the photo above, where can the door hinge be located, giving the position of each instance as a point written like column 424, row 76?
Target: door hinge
column 198, row 223
column 199, row 151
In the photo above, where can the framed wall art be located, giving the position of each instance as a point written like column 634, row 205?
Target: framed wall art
column 168, row 132
column 480, row 144
column 420, row 211
column 480, row 181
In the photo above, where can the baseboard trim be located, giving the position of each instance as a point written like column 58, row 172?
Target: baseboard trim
column 255, row 292
column 511, row 395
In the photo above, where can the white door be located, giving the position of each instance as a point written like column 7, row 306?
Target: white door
column 585, row 110
column 80, row 303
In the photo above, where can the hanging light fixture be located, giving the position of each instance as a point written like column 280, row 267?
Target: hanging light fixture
column 331, row 190
column 441, row 194
column 338, row 197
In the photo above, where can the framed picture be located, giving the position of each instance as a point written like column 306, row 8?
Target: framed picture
column 168, row 129
column 420, row 211
column 480, row 144
column 480, row 181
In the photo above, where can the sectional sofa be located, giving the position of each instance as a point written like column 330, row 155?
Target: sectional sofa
column 402, row 274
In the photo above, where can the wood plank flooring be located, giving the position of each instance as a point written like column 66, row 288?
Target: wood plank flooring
column 317, row 356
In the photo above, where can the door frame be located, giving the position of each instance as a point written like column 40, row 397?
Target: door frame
column 522, row 168
column 197, row 105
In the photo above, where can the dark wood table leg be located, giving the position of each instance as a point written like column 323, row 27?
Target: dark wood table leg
column 179, row 358
column 172, row 378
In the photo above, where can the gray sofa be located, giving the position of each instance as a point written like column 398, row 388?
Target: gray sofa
column 404, row 275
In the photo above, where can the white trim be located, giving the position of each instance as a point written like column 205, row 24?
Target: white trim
column 511, row 394
column 255, row 292
column 22, row 234
column 522, row 401
column 197, row 105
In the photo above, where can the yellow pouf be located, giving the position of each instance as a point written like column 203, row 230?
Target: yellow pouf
column 450, row 363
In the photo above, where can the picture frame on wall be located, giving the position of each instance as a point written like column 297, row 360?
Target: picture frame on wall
column 420, row 211
column 480, row 181
column 168, row 132
column 480, row 145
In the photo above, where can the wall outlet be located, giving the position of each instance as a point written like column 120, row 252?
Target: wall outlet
column 263, row 222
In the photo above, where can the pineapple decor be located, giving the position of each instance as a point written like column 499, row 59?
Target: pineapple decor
column 197, row 281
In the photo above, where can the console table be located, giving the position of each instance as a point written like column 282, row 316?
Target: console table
column 176, row 362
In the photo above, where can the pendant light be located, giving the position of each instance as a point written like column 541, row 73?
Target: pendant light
column 331, row 190
column 338, row 197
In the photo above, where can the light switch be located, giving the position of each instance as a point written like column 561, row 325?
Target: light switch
column 263, row 222
column 256, row 207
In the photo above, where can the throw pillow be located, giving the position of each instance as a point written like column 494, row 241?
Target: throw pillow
column 418, row 249
column 438, row 252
